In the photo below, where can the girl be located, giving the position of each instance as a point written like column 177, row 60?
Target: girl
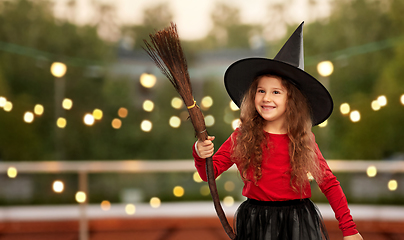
column 275, row 151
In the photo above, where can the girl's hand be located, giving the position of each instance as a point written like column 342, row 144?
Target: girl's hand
column 205, row 148
column 354, row 237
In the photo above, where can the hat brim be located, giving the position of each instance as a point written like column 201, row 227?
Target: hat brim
column 240, row 75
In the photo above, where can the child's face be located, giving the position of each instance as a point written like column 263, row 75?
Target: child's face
column 270, row 101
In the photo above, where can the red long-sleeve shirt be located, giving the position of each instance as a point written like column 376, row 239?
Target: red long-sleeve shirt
column 274, row 184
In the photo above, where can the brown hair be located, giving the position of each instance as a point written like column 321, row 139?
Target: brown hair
column 251, row 137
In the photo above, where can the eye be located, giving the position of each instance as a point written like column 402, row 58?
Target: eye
column 276, row 92
column 260, row 91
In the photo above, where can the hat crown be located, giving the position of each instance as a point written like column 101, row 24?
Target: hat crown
column 292, row 50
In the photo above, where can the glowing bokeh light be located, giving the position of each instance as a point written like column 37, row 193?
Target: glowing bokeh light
column 88, row 119
column 235, row 123
column 176, row 103
column 105, row 205
column 81, row 197
column 392, row 185
column 61, row 122
column 345, row 108
column 228, row 201
column 12, row 172
column 97, row 114
column 229, row 186
column 375, row 105
column 58, row 186
column 175, row 122
column 147, row 80
column 28, row 117
column 355, row 116
column 209, row 120
column 148, row 105
column 204, row 190
column 325, row 68
column 323, row 124
column 58, row 69
column 130, row 209
column 178, row 191
column 402, row 99
column 8, row 106
column 155, row 202
column 3, row 101
column 123, row 112
column 116, row 123
column 67, row 103
column 382, row 100
column 233, row 106
column 207, row 102
column 38, row 109
column 197, row 178
column 146, row 126
column 371, row 171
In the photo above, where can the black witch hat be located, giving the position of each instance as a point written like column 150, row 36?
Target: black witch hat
column 289, row 64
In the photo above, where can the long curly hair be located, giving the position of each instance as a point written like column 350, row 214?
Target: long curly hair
column 251, row 138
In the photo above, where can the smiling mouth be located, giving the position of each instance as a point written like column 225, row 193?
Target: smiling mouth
column 268, row 107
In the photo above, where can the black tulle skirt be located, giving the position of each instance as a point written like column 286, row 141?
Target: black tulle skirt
column 291, row 220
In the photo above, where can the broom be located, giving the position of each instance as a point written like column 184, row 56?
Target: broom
column 166, row 52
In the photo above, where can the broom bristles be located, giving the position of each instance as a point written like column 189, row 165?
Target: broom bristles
column 166, row 52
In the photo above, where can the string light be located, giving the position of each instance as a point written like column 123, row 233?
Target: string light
column 228, row 201
column 175, row 122
column 392, row 185
column 97, row 114
column 155, row 202
column 345, row 108
column 61, row 122
column 130, row 209
column 38, row 109
column 209, row 120
column 147, row 80
column 81, row 197
column 88, row 119
column 3, row 101
column 204, row 190
column 323, row 124
column 233, row 106
column 375, row 105
column 207, row 102
column 235, row 123
column 355, row 116
column 105, row 205
column 28, row 117
column 229, row 186
column 382, row 100
column 58, row 69
column 146, row 126
column 148, row 105
column 67, row 103
column 325, row 68
column 12, row 172
column 176, row 103
column 123, row 112
column 58, row 186
column 116, row 123
column 8, row 106
column 371, row 171
column 197, row 178
column 178, row 191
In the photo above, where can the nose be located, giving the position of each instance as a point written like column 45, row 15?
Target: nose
column 267, row 98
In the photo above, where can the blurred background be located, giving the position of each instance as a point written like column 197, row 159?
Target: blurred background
column 93, row 137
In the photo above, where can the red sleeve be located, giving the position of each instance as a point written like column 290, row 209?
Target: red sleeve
column 221, row 160
column 331, row 188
